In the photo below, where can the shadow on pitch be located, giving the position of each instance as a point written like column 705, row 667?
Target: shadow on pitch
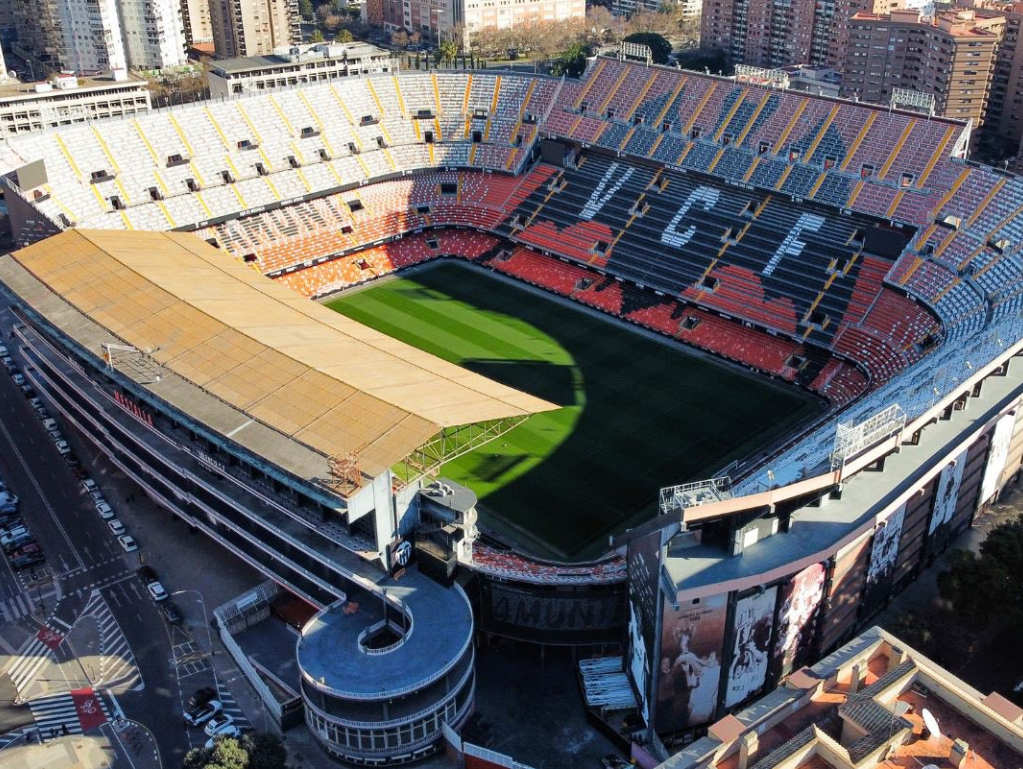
column 550, row 381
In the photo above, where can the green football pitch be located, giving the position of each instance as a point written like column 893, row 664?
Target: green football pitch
column 636, row 413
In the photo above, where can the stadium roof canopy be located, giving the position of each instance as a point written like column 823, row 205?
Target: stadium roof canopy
column 314, row 375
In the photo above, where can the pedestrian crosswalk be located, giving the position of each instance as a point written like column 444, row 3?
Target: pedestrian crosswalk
column 15, row 607
column 117, row 667
column 24, row 666
column 56, row 714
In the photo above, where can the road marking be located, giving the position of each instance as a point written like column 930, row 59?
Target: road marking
column 39, row 491
column 59, row 621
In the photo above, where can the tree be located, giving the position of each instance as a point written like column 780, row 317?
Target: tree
column 262, row 750
column 228, row 753
column 399, row 37
column 659, row 47
column 446, row 52
column 985, row 589
column 305, row 8
column 266, row 751
column 316, row 36
column 344, row 36
column 572, row 62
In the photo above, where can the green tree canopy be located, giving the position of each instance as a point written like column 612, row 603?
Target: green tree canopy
column 986, row 588
column 659, row 47
column 262, row 750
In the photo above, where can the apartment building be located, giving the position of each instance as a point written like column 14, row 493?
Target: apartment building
column 950, row 57
column 779, row 33
column 153, row 33
column 195, row 19
column 253, row 27
column 93, row 36
column 503, row 14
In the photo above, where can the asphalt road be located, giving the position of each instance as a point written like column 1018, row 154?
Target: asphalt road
column 82, row 556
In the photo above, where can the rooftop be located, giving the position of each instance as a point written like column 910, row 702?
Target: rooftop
column 285, row 362
column 864, row 706
column 298, row 55
column 331, row 650
column 16, row 90
column 816, row 530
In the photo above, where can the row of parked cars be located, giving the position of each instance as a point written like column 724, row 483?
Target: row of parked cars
column 127, row 542
column 18, row 544
column 205, row 710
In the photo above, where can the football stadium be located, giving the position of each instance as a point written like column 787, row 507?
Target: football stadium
column 652, row 360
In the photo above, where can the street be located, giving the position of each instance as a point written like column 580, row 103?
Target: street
column 82, row 643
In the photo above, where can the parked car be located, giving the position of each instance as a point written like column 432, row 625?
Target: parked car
column 203, row 712
column 128, row 543
column 8, row 362
column 14, row 524
column 63, row 448
column 26, row 560
column 55, row 435
column 200, row 697
column 10, row 519
column 230, row 731
column 18, row 378
column 49, row 424
column 8, row 502
column 11, row 534
column 27, row 390
column 116, row 527
column 87, row 483
column 27, row 549
column 105, row 511
column 156, row 591
column 3, row 351
column 35, row 403
column 217, row 724
column 17, row 540
column 171, row 613
column 146, row 574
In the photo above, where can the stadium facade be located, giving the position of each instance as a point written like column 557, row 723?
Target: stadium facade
column 839, row 247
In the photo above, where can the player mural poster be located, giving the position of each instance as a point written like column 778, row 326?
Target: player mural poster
column 1001, row 437
column 801, row 600
column 947, row 493
column 690, row 666
column 754, row 618
column 884, row 553
column 643, row 560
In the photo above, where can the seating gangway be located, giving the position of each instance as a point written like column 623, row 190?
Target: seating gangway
column 636, row 102
column 890, row 161
column 819, row 137
column 950, row 132
column 601, row 63
column 115, row 167
column 728, row 117
column 753, row 119
column 854, row 147
column 699, row 108
column 789, row 126
column 493, row 107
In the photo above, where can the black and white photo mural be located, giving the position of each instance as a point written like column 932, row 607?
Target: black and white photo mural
column 1001, row 437
column 801, row 599
column 947, row 493
column 754, row 618
column 884, row 554
column 690, row 668
column 644, row 565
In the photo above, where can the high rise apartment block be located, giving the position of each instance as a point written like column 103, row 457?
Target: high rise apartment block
column 950, row 57
column 253, row 27
column 778, row 33
column 93, row 36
